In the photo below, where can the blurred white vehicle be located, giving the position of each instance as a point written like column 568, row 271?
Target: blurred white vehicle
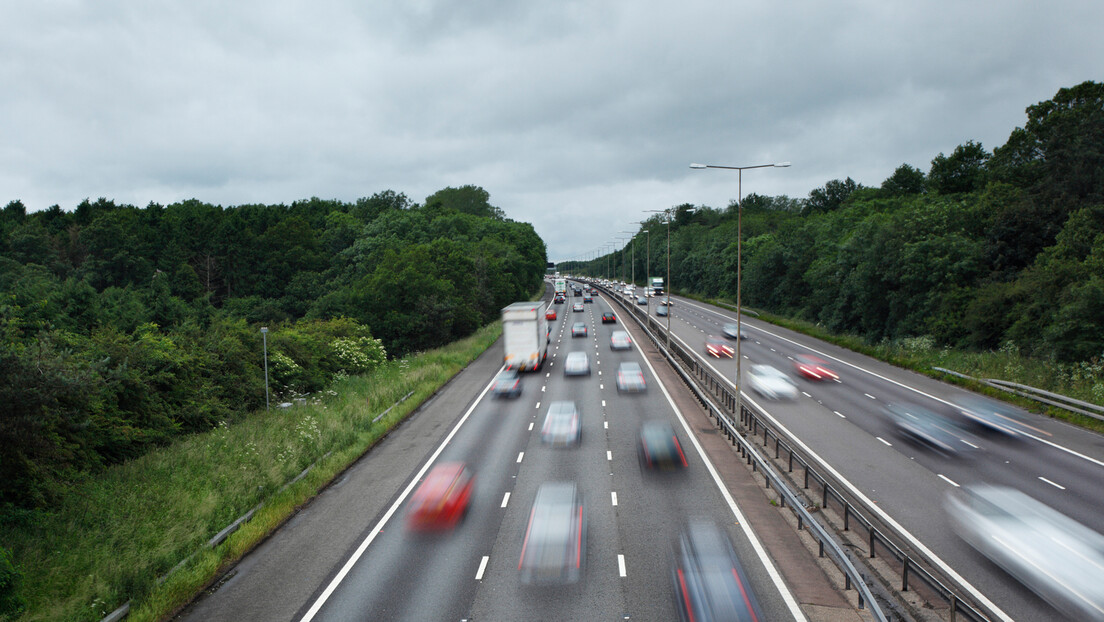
column 771, row 383
column 1058, row 558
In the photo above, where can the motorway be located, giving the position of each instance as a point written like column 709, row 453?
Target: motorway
column 843, row 423
column 347, row 556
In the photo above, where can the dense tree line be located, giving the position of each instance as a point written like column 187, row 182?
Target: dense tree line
column 984, row 250
column 122, row 327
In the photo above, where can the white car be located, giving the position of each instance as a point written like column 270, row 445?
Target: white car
column 561, row 425
column 577, row 364
column 771, row 383
column 620, row 340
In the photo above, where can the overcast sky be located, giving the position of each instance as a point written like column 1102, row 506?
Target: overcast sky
column 575, row 116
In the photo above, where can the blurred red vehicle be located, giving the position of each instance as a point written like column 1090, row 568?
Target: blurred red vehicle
column 442, row 499
column 551, row 315
column 813, row 368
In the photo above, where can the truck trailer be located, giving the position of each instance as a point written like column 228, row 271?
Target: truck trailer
column 525, row 336
column 656, row 285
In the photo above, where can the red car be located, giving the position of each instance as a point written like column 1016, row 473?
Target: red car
column 442, row 499
column 717, row 347
column 551, row 315
column 813, row 368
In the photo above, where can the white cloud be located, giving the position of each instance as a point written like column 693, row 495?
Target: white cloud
column 575, row 116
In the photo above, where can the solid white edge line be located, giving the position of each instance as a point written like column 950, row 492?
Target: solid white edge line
column 621, row 565
column 885, row 517
column 505, row 500
column 317, row 606
column 482, row 568
column 764, row 558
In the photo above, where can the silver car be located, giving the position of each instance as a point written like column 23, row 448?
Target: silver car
column 561, row 425
column 620, row 340
column 554, row 548
column 630, row 378
column 1058, row 558
column 771, row 383
column 577, row 364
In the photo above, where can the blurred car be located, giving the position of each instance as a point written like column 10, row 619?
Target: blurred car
column 1055, row 556
column 577, row 364
column 620, row 340
column 442, row 498
column 771, row 383
column 710, row 583
column 588, row 298
column 922, row 425
column 630, row 378
column 732, row 331
column 659, row 447
column 554, row 548
column 559, row 299
column 641, row 300
column 550, row 314
column 609, row 318
column 507, row 384
column 717, row 347
column 813, row 368
column 661, row 310
column 561, row 426
column 992, row 415
column 577, row 307
column 579, row 329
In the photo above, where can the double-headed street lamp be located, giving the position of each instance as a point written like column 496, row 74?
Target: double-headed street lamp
column 739, row 257
column 667, row 219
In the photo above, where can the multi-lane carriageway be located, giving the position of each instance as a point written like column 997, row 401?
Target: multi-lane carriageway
column 843, row 424
column 347, row 556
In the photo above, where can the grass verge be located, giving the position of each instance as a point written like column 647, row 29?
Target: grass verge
column 1083, row 381
column 120, row 530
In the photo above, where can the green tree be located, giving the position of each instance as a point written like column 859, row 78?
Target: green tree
column 962, row 171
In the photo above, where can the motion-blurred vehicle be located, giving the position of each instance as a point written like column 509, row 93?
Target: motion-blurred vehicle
column 630, row 378
column 441, row 500
column 1055, row 556
column 659, row 447
column 579, row 329
column 609, row 318
column 771, row 383
column 577, row 364
column 559, row 299
column 917, row 423
column 588, row 298
column 992, row 415
column 577, row 307
column 661, row 310
column 641, row 300
column 525, row 336
column 507, row 384
column 620, row 340
column 550, row 314
column 561, row 425
column 813, row 368
column 717, row 347
column 554, row 548
column 710, row 583
column 732, row 331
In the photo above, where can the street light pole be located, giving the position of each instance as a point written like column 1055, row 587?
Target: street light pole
column 667, row 295
column 739, row 259
column 264, row 337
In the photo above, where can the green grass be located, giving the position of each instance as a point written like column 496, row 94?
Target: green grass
column 119, row 530
column 1083, row 381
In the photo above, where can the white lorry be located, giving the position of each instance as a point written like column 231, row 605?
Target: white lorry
column 656, row 286
column 525, row 336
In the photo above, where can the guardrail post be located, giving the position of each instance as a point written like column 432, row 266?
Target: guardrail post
column 821, row 543
column 777, row 441
column 904, row 575
column 846, row 516
column 870, row 529
column 824, row 495
column 806, row 477
column 791, row 462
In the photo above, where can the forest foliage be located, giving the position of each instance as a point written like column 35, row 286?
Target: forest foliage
column 124, row 327
column 982, row 251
